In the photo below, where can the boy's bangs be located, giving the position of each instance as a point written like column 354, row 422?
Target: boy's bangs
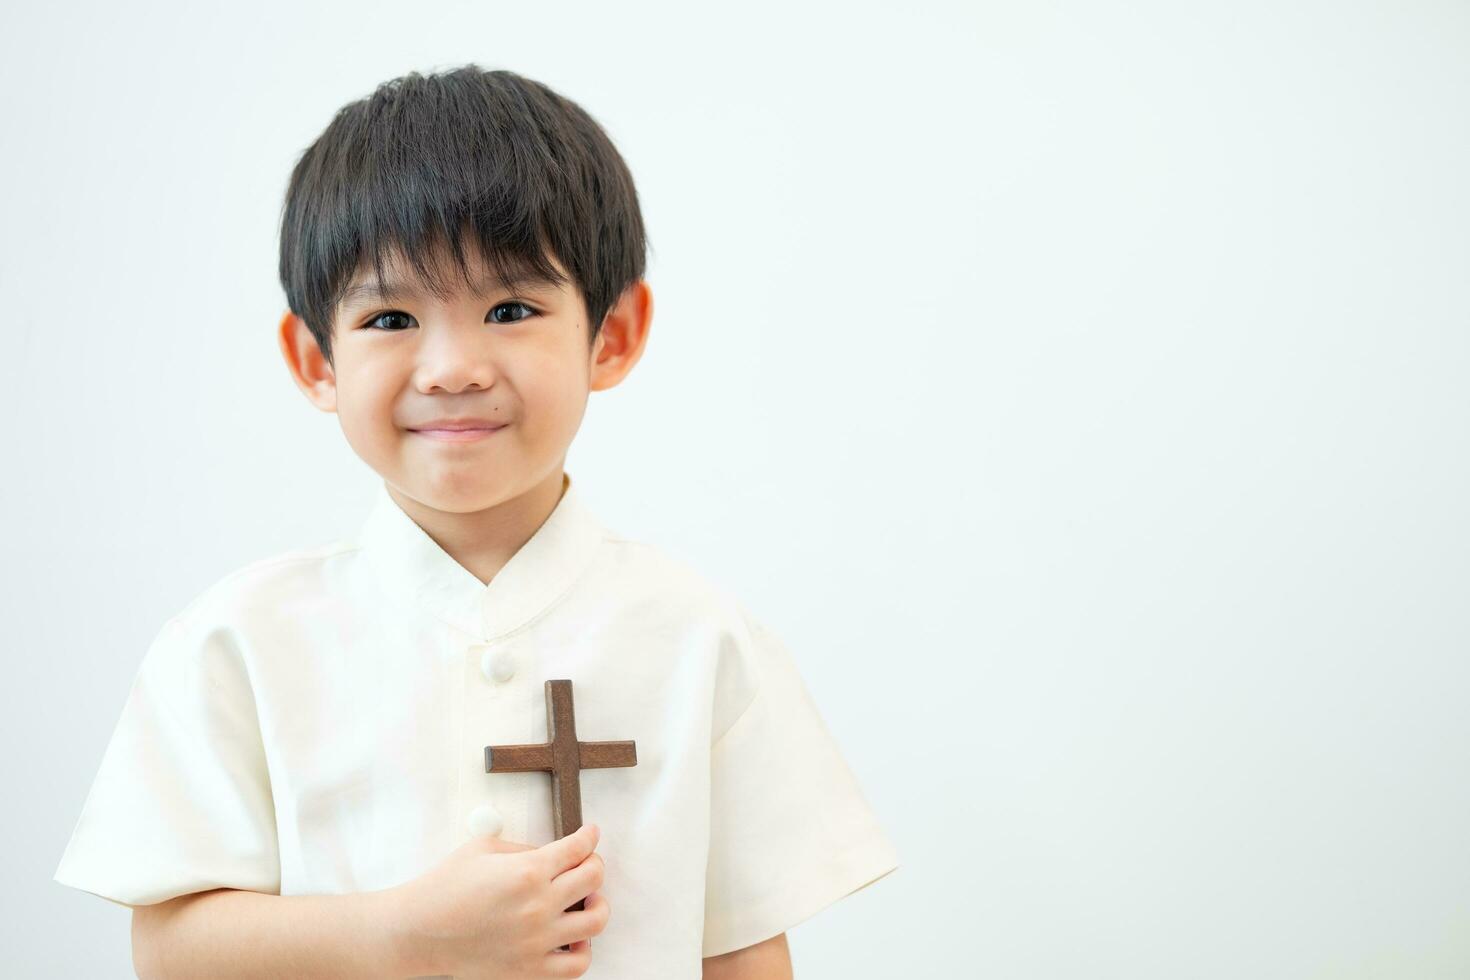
column 419, row 257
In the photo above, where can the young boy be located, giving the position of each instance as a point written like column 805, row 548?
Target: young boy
column 298, row 784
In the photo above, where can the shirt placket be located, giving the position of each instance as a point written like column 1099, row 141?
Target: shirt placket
column 496, row 710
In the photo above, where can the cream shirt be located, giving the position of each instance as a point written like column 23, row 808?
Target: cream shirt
column 316, row 722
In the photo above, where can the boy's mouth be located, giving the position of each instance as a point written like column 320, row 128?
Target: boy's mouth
column 458, row 430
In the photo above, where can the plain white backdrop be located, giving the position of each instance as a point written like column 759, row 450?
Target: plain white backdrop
column 1080, row 389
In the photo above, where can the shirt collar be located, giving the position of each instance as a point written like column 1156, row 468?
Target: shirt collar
column 413, row 567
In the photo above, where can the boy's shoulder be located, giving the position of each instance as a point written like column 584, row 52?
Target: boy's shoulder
column 285, row 581
column 652, row 576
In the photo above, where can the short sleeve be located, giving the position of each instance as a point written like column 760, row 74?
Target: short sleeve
column 790, row 829
column 182, row 801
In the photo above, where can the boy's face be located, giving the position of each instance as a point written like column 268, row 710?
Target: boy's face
column 408, row 364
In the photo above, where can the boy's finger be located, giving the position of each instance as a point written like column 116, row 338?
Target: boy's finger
column 580, row 946
column 569, row 851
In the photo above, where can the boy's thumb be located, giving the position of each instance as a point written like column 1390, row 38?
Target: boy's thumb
column 569, row 851
column 498, row 845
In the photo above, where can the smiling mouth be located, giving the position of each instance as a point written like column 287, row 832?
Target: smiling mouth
column 457, row 435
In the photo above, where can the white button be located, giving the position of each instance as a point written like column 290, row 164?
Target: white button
column 498, row 666
column 485, row 819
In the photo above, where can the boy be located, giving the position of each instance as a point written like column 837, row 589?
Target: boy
column 298, row 783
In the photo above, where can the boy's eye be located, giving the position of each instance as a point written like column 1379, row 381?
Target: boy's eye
column 502, row 306
column 386, row 316
column 397, row 314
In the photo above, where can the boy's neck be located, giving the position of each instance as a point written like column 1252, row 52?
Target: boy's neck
column 483, row 541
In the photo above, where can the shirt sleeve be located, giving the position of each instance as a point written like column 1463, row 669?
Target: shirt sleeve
column 182, row 802
column 790, row 829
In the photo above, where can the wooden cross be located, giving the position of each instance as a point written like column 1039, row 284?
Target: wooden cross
column 564, row 757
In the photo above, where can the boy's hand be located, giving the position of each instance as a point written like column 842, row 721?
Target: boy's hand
column 496, row 909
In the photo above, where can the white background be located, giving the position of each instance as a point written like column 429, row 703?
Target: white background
column 1079, row 389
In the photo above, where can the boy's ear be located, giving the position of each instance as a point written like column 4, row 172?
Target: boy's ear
column 623, row 336
column 309, row 368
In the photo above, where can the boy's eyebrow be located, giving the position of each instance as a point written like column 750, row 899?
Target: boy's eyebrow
column 364, row 291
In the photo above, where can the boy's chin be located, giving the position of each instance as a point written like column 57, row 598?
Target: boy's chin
column 457, row 499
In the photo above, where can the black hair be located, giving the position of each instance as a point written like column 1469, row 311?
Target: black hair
column 463, row 155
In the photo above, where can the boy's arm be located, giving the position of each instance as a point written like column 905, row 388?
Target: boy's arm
column 769, row 960
column 233, row 933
